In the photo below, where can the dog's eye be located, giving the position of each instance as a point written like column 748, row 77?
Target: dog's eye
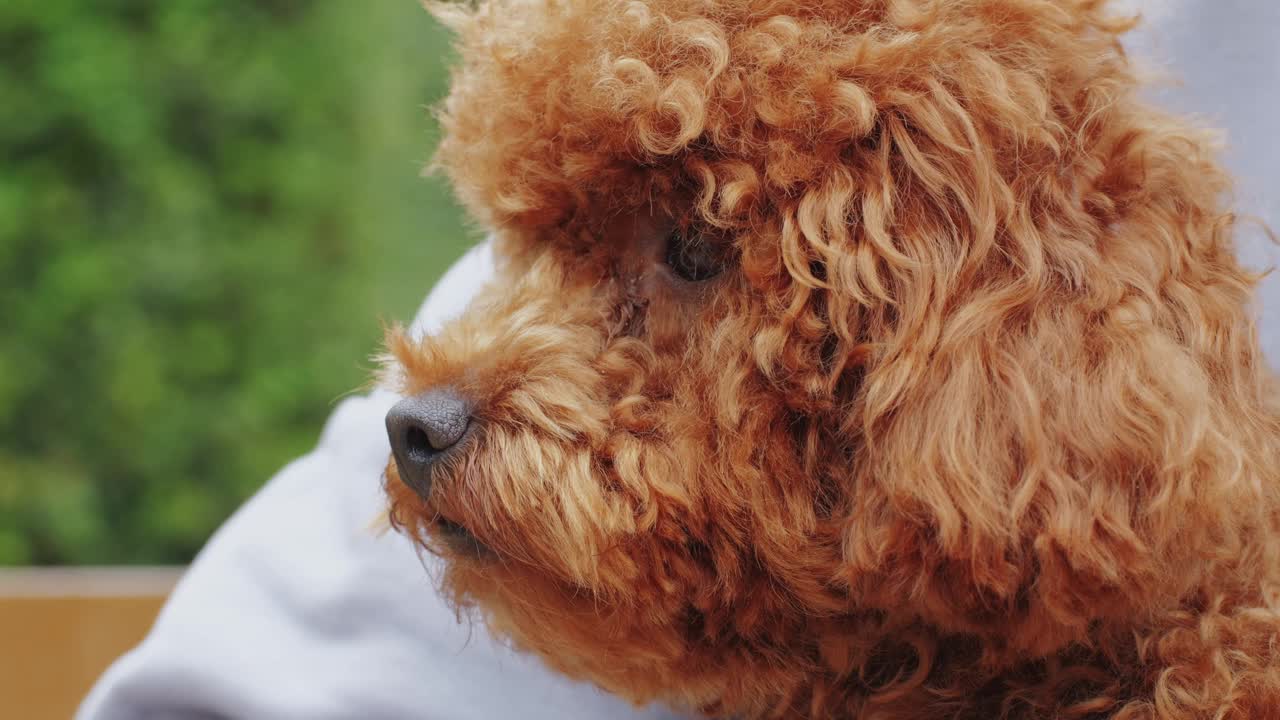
column 692, row 256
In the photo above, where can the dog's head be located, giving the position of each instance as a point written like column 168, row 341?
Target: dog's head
column 840, row 351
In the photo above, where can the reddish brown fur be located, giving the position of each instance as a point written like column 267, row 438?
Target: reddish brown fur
column 975, row 425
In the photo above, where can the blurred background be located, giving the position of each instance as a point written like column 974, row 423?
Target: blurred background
column 207, row 208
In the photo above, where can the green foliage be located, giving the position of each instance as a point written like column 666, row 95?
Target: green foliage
column 207, row 207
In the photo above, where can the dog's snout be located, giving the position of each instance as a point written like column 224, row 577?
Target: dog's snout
column 421, row 429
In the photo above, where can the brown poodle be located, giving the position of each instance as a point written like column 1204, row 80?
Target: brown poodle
column 848, row 359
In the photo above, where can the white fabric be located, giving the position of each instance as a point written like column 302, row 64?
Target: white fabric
column 295, row 609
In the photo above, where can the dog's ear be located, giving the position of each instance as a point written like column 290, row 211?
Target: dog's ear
column 1012, row 287
column 1060, row 408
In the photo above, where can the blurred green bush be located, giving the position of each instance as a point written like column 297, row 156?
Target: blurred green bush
column 206, row 209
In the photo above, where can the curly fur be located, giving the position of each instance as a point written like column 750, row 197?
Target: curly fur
column 975, row 425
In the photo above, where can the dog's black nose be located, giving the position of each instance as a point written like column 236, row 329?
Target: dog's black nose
column 421, row 429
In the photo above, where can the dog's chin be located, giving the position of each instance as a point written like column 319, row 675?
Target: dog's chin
column 459, row 541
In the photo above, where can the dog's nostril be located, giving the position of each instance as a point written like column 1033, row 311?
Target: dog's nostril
column 421, row 428
column 417, row 444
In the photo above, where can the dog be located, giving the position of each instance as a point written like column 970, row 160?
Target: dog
column 847, row 359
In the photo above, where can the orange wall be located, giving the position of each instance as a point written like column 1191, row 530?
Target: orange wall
column 60, row 629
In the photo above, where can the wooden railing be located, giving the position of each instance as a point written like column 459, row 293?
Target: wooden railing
column 61, row 627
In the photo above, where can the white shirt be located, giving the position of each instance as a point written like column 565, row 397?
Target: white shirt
column 297, row 609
